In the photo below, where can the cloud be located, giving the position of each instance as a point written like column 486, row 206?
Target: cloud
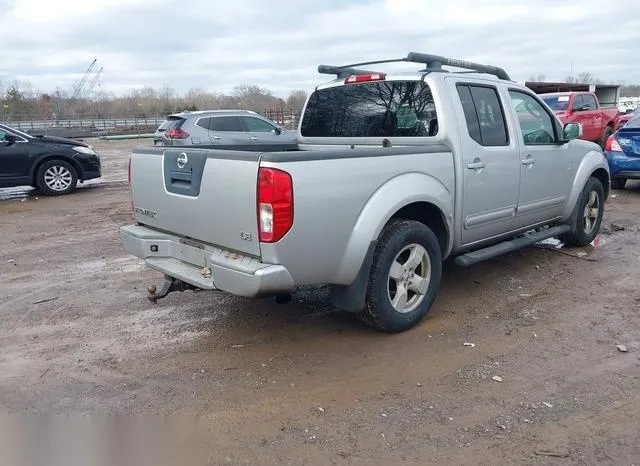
column 218, row 45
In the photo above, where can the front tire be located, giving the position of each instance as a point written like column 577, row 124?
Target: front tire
column 56, row 177
column 589, row 212
column 404, row 277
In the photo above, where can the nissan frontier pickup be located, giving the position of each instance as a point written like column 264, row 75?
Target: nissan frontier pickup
column 393, row 174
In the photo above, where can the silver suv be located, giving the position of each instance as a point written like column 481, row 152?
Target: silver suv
column 221, row 127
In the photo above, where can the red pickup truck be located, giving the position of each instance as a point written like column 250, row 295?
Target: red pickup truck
column 598, row 122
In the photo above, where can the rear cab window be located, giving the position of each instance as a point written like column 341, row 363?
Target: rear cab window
column 372, row 109
column 557, row 102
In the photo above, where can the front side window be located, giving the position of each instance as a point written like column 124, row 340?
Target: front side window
column 256, row 125
column 590, row 102
column 227, row 123
column 2, row 133
column 536, row 124
column 371, row 109
column 578, row 103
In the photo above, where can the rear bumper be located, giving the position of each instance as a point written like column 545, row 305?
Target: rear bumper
column 623, row 166
column 184, row 259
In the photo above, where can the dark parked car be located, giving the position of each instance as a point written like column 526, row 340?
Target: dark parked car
column 52, row 164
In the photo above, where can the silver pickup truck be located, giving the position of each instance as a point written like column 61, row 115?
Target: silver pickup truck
column 393, row 174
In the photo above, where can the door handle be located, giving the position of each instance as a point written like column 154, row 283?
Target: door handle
column 217, row 138
column 254, row 138
column 528, row 161
column 475, row 165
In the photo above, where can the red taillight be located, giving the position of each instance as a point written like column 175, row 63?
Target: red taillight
column 362, row 78
column 176, row 133
column 612, row 144
column 275, row 204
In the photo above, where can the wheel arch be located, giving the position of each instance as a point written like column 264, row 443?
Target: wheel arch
column 43, row 160
column 593, row 164
column 413, row 196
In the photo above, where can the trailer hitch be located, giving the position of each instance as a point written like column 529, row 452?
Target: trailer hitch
column 170, row 284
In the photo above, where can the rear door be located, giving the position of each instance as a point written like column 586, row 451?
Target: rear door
column 227, row 130
column 490, row 163
column 260, row 131
column 204, row 195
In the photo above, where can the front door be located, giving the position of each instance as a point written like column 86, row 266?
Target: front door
column 14, row 161
column 491, row 166
column 546, row 168
column 260, row 131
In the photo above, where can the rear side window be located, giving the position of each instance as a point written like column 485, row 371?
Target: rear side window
column 204, row 123
column 172, row 123
column 484, row 115
column 372, row 109
column 226, row 123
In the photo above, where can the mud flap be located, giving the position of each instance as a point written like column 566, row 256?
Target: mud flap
column 351, row 298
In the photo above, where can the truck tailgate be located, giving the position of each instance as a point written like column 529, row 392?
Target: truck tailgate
column 206, row 195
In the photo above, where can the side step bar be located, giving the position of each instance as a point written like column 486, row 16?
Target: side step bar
column 512, row 245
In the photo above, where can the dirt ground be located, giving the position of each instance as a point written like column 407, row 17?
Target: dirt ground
column 303, row 384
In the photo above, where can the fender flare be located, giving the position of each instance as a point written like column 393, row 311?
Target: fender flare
column 388, row 199
column 590, row 163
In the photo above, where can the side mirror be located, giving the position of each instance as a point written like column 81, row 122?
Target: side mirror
column 278, row 131
column 572, row 131
column 9, row 139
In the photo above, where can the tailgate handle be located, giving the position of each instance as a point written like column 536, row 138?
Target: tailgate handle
column 181, row 176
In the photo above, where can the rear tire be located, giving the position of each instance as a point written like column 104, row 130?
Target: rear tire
column 56, row 177
column 618, row 183
column 404, row 277
column 588, row 217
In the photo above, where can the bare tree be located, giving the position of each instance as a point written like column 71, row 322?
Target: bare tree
column 296, row 100
column 583, row 78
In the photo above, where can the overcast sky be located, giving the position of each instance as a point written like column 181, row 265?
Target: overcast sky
column 217, row 44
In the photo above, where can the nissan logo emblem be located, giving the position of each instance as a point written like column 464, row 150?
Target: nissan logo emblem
column 182, row 160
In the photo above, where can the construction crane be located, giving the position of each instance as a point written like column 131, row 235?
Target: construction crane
column 93, row 83
column 78, row 90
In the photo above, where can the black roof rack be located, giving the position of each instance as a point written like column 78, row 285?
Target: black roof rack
column 432, row 62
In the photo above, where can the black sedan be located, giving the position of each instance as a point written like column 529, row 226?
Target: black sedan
column 52, row 164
